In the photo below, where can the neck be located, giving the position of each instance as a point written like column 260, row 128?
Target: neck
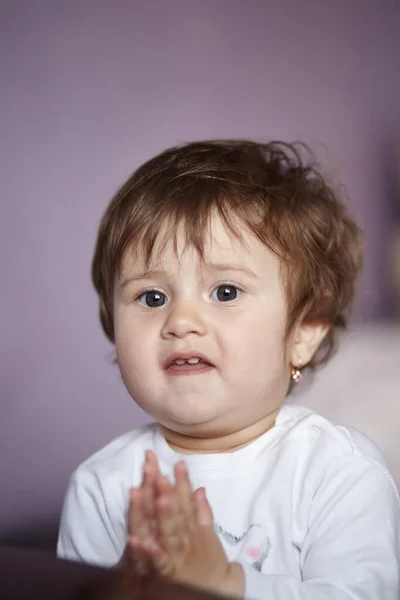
column 192, row 444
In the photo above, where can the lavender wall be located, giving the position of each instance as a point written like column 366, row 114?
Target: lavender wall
column 90, row 88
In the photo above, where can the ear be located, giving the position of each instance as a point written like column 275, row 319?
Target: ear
column 307, row 338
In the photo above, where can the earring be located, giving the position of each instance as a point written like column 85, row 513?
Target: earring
column 296, row 374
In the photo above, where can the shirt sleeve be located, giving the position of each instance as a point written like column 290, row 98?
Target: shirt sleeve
column 93, row 524
column 352, row 547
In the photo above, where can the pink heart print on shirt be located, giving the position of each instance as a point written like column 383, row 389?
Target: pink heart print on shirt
column 253, row 552
column 255, row 543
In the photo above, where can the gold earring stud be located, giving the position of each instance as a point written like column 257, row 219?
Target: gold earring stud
column 296, row 374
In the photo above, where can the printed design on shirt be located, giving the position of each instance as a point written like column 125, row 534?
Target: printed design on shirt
column 256, row 541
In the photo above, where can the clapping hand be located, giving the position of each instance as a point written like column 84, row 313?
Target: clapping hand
column 171, row 531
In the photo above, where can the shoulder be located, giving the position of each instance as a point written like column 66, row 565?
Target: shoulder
column 303, row 423
column 334, row 470
column 320, row 447
column 119, row 462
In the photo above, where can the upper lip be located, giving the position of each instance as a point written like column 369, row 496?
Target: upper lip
column 185, row 356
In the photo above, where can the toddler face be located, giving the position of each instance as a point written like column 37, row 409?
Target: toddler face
column 229, row 312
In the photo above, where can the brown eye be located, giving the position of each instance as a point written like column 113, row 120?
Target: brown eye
column 152, row 298
column 225, row 293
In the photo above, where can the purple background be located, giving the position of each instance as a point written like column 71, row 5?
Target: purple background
column 90, row 89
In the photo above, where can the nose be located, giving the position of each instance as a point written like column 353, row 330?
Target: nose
column 183, row 319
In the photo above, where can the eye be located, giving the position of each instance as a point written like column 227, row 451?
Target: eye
column 152, row 298
column 225, row 293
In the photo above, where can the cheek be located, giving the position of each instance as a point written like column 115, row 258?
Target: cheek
column 256, row 342
column 134, row 346
column 135, row 366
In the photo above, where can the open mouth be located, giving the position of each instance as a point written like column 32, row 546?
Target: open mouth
column 194, row 364
column 187, row 365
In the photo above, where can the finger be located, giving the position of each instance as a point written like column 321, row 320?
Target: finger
column 135, row 559
column 135, row 511
column 163, row 486
column 141, row 552
column 152, row 457
column 170, row 522
column 138, row 524
column 151, row 556
column 144, row 548
column 185, row 494
column 203, row 509
column 135, row 527
column 150, row 474
column 151, row 462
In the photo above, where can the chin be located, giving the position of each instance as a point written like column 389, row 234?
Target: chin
column 188, row 418
column 202, row 427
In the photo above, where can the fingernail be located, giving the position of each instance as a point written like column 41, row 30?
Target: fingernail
column 200, row 494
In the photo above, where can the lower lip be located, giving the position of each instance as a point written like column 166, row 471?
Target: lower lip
column 186, row 372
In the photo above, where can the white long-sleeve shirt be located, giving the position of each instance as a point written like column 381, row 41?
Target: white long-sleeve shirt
column 308, row 508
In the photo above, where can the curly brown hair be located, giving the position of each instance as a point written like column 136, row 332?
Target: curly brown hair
column 268, row 189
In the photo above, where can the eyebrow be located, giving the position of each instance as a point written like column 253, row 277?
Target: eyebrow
column 229, row 267
column 151, row 274
column 154, row 274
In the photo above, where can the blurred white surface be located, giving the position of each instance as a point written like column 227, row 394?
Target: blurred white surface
column 360, row 387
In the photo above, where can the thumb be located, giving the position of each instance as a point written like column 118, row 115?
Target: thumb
column 204, row 512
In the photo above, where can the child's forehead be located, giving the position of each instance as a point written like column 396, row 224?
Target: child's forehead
column 221, row 249
column 217, row 242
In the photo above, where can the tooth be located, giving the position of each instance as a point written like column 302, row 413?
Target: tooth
column 193, row 361
column 179, row 361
